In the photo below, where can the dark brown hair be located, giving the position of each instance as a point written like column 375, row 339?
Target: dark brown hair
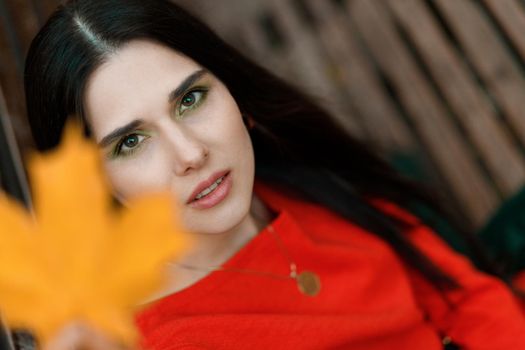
column 297, row 144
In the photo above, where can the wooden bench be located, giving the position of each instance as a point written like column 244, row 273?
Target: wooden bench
column 438, row 80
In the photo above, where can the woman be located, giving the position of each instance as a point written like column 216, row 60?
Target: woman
column 302, row 239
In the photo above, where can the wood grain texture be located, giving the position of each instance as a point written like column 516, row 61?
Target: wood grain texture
column 378, row 115
column 306, row 57
column 467, row 100
column 445, row 144
column 442, row 78
column 492, row 60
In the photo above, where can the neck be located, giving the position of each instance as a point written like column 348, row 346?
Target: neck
column 214, row 250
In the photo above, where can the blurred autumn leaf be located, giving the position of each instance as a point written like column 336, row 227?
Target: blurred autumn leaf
column 79, row 258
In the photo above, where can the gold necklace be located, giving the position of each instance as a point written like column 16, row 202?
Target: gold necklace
column 307, row 282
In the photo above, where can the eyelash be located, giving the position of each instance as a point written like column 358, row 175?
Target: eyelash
column 204, row 93
column 118, row 152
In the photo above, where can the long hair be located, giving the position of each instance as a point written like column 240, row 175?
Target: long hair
column 297, row 144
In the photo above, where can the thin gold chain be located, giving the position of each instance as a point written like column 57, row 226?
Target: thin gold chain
column 293, row 266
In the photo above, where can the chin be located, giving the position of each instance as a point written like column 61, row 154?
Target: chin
column 217, row 220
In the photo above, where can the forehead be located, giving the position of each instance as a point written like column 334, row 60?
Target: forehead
column 137, row 77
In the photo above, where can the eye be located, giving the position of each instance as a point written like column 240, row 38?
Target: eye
column 129, row 144
column 192, row 100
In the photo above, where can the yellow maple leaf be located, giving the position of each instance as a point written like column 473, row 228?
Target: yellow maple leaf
column 80, row 258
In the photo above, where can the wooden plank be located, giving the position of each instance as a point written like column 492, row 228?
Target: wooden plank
column 256, row 42
column 10, row 70
column 13, row 178
column 444, row 143
column 511, row 17
column 304, row 56
column 490, row 57
column 473, row 110
column 43, row 9
column 376, row 111
column 10, row 42
column 24, row 21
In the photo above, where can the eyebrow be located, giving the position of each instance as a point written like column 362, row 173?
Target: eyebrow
column 173, row 96
column 119, row 132
column 185, row 85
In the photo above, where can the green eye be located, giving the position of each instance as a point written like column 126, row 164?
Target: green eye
column 131, row 141
column 189, row 100
column 192, row 100
column 129, row 144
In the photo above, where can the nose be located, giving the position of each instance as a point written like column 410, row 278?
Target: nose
column 186, row 152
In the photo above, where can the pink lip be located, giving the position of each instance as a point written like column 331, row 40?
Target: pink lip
column 205, row 184
column 215, row 197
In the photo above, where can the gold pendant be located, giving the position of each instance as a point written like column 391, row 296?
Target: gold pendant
column 308, row 283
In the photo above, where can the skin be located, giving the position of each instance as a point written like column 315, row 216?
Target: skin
column 81, row 336
column 176, row 147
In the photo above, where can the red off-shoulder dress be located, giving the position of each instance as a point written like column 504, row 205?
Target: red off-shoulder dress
column 369, row 298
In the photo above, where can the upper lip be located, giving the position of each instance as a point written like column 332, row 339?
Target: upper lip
column 206, row 183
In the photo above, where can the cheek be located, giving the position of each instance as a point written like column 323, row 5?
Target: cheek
column 241, row 151
column 240, row 144
column 244, row 145
column 244, row 142
column 129, row 179
column 234, row 131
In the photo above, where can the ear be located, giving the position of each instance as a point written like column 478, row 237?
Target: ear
column 248, row 121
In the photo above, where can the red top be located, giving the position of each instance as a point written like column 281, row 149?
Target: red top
column 369, row 299
column 519, row 283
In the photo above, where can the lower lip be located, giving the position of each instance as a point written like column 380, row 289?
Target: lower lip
column 214, row 197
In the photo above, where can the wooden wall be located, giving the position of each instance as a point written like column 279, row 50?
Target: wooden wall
column 19, row 22
column 439, row 80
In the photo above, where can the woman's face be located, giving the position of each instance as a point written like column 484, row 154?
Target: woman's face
column 162, row 121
